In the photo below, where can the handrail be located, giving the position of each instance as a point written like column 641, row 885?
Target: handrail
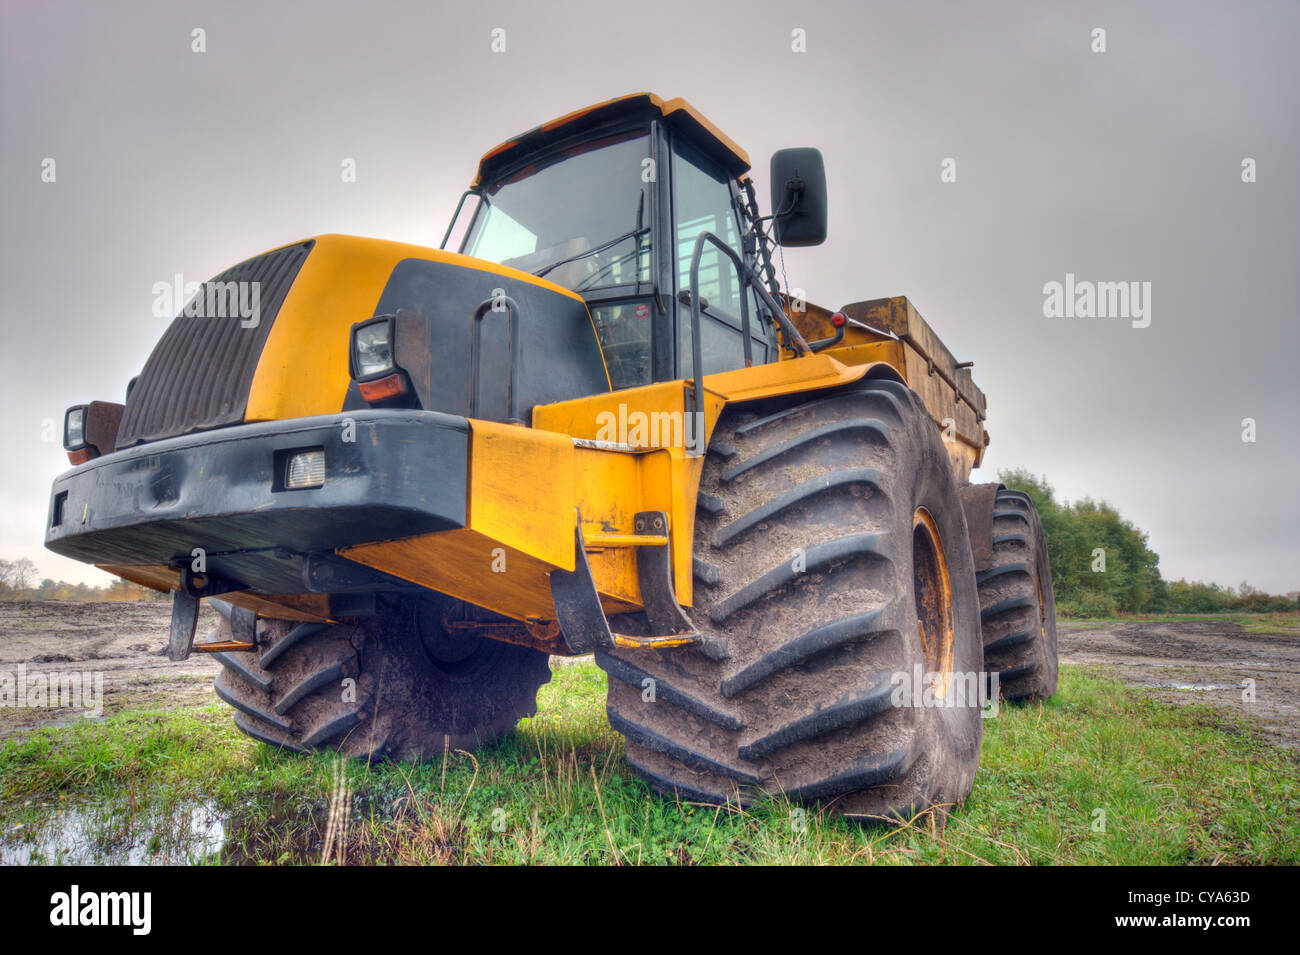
column 512, row 392
column 697, row 359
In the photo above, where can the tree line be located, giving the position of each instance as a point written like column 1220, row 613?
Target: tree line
column 1103, row 566
column 21, row 580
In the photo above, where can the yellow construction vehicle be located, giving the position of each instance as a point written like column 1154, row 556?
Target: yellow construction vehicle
column 406, row 476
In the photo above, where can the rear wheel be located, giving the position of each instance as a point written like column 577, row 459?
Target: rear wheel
column 832, row 565
column 398, row 684
column 1017, row 606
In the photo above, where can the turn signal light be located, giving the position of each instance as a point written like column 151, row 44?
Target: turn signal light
column 381, row 389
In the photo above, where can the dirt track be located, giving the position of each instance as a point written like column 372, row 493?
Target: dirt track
column 1191, row 661
column 1199, row 661
column 124, row 641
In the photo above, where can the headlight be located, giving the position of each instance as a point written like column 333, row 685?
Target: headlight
column 305, row 469
column 372, row 348
column 74, row 428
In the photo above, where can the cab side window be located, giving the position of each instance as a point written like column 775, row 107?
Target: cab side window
column 702, row 202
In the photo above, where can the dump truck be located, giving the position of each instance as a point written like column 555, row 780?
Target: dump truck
column 409, row 476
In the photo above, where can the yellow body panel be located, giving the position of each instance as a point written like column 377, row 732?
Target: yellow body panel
column 785, row 377
column 521, row 490
column 303, row 370
column 462, row 563
column 678, row 104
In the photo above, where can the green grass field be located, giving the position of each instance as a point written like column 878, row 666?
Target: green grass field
column 1171, row 785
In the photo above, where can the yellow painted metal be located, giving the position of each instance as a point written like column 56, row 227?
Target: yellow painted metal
column 526, row 489
column 520, row 526
column 470, row 566
column 654, row 643
column 522, row 488
column 598, row 541
column 680, row 105
column 889, row 352
column 610, row 487
column 303, row 369
column 805, row 373
column 655, row 473
column 223, row 646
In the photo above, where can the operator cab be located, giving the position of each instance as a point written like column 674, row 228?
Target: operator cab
column 609, row 202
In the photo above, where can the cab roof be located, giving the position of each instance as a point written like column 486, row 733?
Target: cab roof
column 647, row 106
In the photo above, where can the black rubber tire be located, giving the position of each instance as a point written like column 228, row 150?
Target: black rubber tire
column 416, row 687
column 796, row 694
column 1017, row 605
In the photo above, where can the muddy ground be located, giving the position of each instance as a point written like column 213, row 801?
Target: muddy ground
column 1199, row 661
column 123, row 641
column 1191, row 661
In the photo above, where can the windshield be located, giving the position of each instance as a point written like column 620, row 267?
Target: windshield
column 583, row 221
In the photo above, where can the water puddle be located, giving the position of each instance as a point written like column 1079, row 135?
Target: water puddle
column 90, row 834
column 261, row 830
column 1205, row 687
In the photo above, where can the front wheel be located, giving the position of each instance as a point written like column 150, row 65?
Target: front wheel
column 832, row 564
column 399, row 684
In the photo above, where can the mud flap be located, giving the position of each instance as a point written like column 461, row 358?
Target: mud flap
column 185, row 619
column 577, row 605
column 977, row 503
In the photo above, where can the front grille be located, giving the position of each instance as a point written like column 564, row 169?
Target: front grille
column 199, row 374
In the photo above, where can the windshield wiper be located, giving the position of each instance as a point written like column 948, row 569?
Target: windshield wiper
column 590, row 280
column 634, row 234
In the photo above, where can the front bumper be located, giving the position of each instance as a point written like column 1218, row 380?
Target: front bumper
column 388, row 474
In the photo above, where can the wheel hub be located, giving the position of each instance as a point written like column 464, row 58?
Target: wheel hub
column 933, row 593
column 450, row 647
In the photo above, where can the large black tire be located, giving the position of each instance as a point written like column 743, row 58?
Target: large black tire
column 1017, row 605
column 396, row 684
column 804, row 700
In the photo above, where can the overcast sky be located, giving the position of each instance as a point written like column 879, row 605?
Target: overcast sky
column 1117, row 166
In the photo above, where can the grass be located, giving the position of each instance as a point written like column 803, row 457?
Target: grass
column 1175, row 785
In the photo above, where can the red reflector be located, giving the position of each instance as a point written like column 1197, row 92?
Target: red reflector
column 838, row 319
column 390, row 387
column 82, row 456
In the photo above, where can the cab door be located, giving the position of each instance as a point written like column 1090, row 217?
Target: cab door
column 703, row 201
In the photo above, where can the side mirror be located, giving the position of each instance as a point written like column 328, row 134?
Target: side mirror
column 799, row 197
